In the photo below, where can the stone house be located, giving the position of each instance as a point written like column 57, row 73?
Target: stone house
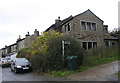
column 13, row 48
column 30, row 38
column 19, row 44
column 85, row 27
column 4, row 51
column 27, row 41
column 8, row 50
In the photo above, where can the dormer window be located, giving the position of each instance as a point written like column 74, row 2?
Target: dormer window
column 67, row 28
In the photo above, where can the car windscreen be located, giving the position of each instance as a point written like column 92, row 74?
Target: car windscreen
column 4, row 58
column 23, row 60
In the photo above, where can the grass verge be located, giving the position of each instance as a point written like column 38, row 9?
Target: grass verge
column 119, row 74
column 64, row 73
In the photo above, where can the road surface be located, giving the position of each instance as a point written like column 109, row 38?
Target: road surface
column 105, row 72
column 8, row 75
column 0, row 74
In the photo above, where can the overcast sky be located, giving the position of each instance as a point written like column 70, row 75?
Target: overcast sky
column 17, row 17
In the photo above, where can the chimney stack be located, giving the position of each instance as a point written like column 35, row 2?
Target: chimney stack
column 57, row 20
column 27, row 34
column 36, row 33
column 105, row 29
column 19, row 38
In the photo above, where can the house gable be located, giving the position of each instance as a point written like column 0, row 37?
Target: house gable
column 90, row 14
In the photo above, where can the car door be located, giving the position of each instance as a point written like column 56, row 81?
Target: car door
column 12, row 65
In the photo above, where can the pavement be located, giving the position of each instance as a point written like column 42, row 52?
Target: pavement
column 105, row 72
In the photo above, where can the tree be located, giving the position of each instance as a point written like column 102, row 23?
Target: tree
column 40, row 45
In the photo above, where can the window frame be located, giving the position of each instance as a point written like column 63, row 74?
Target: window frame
column 91, row 22
column 66, row 27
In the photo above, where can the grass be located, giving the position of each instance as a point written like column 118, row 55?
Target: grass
column 66, row 72
column 105, row 60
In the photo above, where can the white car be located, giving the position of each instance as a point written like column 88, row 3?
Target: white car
column 5, row 62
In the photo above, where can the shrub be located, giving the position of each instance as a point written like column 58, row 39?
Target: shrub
column 50, row 58
column 73, row 49
column 24, row 53
column 95, row 55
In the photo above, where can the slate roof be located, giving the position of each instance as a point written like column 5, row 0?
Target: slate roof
column 108, row 37
column 60, row 23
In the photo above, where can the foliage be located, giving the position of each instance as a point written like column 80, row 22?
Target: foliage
column 50, row 57
column 104, row 54
column 55, row 51
column 63, row 73
column 40, row 45
column 24, row 53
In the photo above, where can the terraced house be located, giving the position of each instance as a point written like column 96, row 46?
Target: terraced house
column 87, row 28
column 20, row 43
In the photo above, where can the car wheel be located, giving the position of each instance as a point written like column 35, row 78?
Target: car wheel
column 11, row 69
column 3, row 66
column 15, row 70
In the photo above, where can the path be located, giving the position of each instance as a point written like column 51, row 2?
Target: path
column 105, row 72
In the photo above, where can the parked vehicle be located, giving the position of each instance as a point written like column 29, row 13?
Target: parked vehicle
column 5, row 62
column 8, row 61
column 0, row 62
column 20, row 64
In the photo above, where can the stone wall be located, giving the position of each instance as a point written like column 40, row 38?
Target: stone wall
column 86, row 35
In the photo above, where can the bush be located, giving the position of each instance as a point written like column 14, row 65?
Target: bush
column 51, row 59
column 95, row 55
column 73, row 49
column 24, row 53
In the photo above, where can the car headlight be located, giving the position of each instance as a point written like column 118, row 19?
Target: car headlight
column 19, row 67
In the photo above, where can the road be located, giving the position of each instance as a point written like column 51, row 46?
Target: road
column 105, row 72
column 8, row 75
column 0, row 74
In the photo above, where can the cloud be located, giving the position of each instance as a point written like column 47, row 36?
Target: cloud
column 6, row 35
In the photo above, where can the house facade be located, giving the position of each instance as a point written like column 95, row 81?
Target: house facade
column 85, row 27
column 20, row 43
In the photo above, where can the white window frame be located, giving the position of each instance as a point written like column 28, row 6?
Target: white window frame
column 66, row 31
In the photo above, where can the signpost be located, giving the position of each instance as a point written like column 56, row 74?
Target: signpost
column 63, row 46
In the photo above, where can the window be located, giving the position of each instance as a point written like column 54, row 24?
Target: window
column 94, row 44
column 67, row 27
column 88, row 26
column 84, row 45
column 106, row 43
column 113, row 43
column 89, row 45
column 83, row 25
column 94, row 26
